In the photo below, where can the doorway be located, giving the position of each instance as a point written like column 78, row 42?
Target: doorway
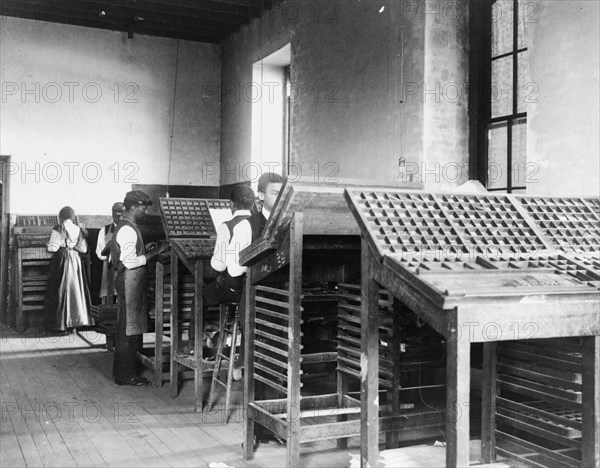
column 271, row 113
column 4, row 235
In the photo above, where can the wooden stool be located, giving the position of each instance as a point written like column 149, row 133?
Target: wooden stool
column 224, row 329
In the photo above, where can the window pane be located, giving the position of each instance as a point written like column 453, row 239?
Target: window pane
column 526, row 91
column 528, row 12
column 497, row 155
column 502, row 86
column 519, row 153
column 502, row 27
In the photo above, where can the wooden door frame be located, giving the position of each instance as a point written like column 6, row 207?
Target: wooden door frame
column 4, row 229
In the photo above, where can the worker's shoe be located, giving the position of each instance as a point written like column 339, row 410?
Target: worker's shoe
column 187, row 349
column 135, row 381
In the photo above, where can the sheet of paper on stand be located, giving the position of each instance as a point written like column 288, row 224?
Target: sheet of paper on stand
column 220, row 215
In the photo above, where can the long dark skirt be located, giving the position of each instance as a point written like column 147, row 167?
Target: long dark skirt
column 67, row 295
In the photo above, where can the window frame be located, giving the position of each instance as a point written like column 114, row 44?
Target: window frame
column 480, row 99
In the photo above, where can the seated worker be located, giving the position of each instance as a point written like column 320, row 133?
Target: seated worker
column 103, row 247
column 269, row 185
column 232, row 237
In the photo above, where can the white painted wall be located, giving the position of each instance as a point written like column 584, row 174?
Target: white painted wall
column 85, row 113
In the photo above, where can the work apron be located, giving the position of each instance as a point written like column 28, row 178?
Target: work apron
column 131, row 284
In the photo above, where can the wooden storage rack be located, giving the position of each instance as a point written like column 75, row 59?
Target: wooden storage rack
column 411, row 356
column 309, row 237
column 30, row 266
column 159, row 309
column 192, row 236
column 514, row 267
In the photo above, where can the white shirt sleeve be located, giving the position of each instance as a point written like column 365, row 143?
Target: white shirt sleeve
column 227, row 252
column 101, row 244
column 55, row 242
column 81, row 245
column 127, row 240
column 217, row 261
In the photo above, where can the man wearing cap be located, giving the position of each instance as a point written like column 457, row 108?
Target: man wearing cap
column 129, row 257
column 103, row 248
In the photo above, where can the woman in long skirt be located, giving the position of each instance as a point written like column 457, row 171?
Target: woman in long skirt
column 68, row 295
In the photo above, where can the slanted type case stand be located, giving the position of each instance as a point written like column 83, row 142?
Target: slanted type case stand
column 192, row 235
column 310, row 235
column 488, row 268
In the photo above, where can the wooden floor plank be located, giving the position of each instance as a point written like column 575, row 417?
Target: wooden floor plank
column 123, row 425
column 47, row 390
column 110, row 409
column 29, row 419
column 10, row 453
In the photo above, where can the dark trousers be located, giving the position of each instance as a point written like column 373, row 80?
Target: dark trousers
column 126, row 347
column 225, row 288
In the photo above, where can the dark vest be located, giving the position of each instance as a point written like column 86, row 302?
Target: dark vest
column 108, row 228
column 257, row 223
column 232, row 223
column 116, row 249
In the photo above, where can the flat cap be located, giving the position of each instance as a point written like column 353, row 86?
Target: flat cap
column 138, row 197
column 118, row 206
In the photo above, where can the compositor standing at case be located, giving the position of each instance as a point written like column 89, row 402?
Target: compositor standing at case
column 130, row 282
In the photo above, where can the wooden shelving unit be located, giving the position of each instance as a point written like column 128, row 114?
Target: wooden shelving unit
column 493, row 268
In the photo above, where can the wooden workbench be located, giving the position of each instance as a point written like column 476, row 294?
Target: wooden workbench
column 192, row 236
column 484, row 268
column 310, row 237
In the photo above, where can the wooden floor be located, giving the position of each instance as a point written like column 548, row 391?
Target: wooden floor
column 60, row 407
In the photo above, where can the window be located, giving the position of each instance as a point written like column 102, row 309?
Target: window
column 500, row 104
column 270, row 96
column 287, row 120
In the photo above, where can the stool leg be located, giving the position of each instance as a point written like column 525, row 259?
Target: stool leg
column 231, row 366
column 224, row 316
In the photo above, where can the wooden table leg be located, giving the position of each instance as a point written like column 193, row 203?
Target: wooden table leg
column 294, row 342
column 488, row 403
column 199, row 327
column 369, row 356
column 458, row 376
column 249, row 337
column 174, row 378
column 159, row 294
column 590, row 440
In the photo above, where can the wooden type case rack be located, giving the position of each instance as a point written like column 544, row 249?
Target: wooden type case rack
column 159, row 309
column 192, row 236
column 309, row 237
column 489, row 268
column 31, row 264
column 411, row 359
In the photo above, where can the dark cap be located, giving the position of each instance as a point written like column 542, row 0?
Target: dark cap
column 137, row 197
column 118, row 206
